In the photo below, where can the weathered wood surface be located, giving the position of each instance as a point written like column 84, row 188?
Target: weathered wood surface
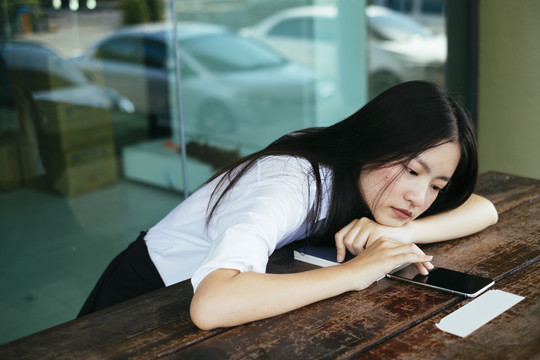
column 148, row 327
column 507, row 191
column 498, row 251
column 157, row 325
column 355, row 322
column 142, row 328
column 326, row 329
column 515, row 334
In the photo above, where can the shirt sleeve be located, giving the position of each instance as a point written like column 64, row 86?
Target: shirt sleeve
column 264, row 209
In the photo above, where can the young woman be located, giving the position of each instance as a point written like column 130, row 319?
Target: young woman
column 399, row 171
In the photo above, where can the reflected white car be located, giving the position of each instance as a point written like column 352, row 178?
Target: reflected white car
column 428, row 12
column 400, row 48
column 227, row 81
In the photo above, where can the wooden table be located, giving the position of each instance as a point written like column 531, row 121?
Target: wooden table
column 389, row 320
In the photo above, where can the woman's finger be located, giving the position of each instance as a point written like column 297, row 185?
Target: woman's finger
column 424, row 267
column 339, row 240
column 341, row 251
column 344, row 240
column 357, row 237
column 409, row 253
column 355, row 241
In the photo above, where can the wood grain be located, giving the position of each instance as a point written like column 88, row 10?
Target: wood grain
column 507, row 191
column 355, row 322
column 390, row 319
column 514, row 334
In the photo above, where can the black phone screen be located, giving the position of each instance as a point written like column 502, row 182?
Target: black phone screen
column 445, row 279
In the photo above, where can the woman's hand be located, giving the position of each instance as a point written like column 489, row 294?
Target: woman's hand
column 474, row 215
column 383, row 256
column 359, row 234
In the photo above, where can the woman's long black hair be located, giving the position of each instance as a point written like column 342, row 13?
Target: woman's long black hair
column 394, row 127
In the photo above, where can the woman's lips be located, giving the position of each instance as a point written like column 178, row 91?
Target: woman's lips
column 402, row 213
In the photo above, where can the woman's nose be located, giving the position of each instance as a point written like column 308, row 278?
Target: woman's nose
column 416, row 196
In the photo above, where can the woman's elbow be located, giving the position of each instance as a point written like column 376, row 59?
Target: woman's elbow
column 209, row 308
column 493, row 214
column 484, row 210
column 201, row 313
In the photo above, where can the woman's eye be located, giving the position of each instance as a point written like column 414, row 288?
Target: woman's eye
column 436, row 188
column 411, row 171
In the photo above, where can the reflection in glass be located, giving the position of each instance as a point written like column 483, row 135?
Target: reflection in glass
column 396, row 27
column 400, row 48
column 89, row 117
column 64, row 122
column 64, row 204
column 235, row 90
column 221, row 53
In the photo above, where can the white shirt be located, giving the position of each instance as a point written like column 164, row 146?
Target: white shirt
column 264, row 211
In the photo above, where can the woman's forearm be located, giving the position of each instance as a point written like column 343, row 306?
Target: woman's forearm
column 476, row 214
column 228, row 297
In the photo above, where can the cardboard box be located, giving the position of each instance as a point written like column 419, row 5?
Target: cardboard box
column 76, row 171
column 73, row 181
column 60, row 114
column 74, row 139
column 10, row 172
column 67, row 125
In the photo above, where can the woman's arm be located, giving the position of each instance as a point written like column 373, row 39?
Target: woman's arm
column 228, row 297
column 476, row 214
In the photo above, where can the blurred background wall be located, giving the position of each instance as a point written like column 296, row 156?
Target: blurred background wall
column 509, row 86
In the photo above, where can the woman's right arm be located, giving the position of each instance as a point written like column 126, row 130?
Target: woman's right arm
column 227, row 297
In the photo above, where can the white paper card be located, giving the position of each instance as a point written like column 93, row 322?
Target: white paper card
column 478, row 312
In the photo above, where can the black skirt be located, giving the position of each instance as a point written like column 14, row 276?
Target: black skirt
column 130, row 274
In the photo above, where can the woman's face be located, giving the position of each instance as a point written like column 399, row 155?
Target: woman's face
column 400, row 193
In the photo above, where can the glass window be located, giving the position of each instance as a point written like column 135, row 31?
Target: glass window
column 155, row 54
column 295, row 28
column 120, row 49
column 95, row 117
column 72, row 187
column 400, row 5
column 226, row 52
column 396, row 27
column 315, row 28
column 37, row 68
column 433, row 7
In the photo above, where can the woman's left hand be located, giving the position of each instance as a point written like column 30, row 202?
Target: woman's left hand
column 361, row 233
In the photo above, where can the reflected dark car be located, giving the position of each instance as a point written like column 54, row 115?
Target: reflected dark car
column 227, row 81
column 44, row 75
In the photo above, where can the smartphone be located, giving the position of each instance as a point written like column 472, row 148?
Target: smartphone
column 444, row 279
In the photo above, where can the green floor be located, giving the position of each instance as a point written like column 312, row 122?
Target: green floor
column 54, row 248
